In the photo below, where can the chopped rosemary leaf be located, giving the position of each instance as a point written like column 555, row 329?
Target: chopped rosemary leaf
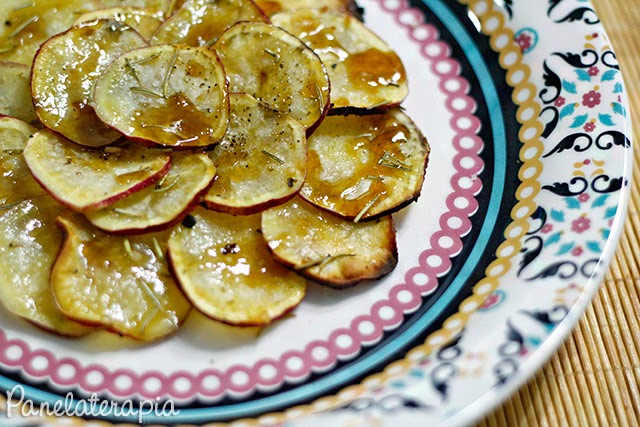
column 147, row 91
column 150, row 293
column 388, row 160
column 375, row 178
column 322, row 261
column 147, row 319
column 10, row 205
column 133, row 71
column 127, row 247
column 273, row 157
column 367, row 207
column 168, row 130
column 321, row 98
column 132, row 172
column 272, row 53
column 167, row 75
column 22, row 26
column 6, row 49
column 157, row 249
column 160, row 186
column 145, row 60
column 125, row 212
column 24, row 6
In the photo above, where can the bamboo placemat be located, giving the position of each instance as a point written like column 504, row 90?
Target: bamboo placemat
column 594, row 379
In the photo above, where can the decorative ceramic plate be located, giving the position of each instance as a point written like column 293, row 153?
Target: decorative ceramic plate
column 525, row 111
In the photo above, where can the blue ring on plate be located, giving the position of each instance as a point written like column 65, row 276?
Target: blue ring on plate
column 382, row 352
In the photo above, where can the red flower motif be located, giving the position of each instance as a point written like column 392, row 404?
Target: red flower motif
column 577, row 251
column 586, row 162
column 524, row 41
column 594, row 71
column 547, row 228
column 591, row 99
column 581, row 224
column 589, row 127
column 560, row 101
column 584, row 197
column 490, row 301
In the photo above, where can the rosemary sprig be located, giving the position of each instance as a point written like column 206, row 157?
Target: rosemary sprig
column 388, row 160
column 322, row 261
column 147, row 91
column 167, row 75
column 22, row 26
column 272, row 156
column 367, row 207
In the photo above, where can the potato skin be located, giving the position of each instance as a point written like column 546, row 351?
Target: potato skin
column 223, row 266
column 365, row 178
column 81, row 260
column 59, row 68
column 261, row 161
column 328, row 249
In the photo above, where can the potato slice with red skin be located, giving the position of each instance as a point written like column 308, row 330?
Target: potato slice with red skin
column 29, row 243
column 85, row 178
column 161, row 205
column 144, row 21
column 262, row 160
column 165, row 95
column 364, row 167
column 16, row 182
column 276, row 68
column 28, row 23
column 224, row 267
column 271, row 7
column 30, row 240
column 64, row 72
column 121, row 283
column 329, row 249
column 200, row 22
column 365, row 72
column 15, row 92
